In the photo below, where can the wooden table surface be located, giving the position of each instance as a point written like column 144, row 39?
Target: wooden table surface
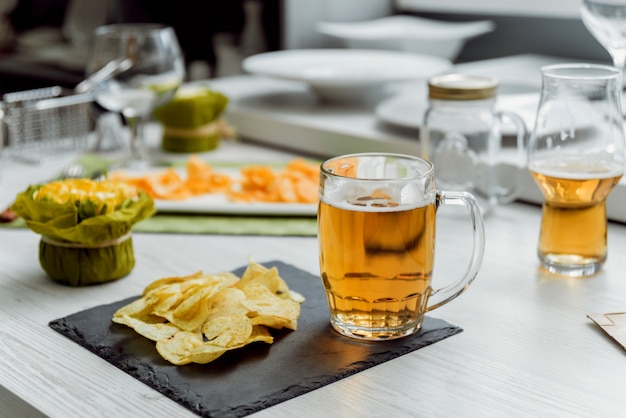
column 527, row 348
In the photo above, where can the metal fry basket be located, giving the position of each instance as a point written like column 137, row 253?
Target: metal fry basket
column 45, row 123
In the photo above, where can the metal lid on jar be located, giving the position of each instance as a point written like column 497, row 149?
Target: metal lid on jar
column 461, row 87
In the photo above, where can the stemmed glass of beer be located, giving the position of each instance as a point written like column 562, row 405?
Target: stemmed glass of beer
column 576, row 157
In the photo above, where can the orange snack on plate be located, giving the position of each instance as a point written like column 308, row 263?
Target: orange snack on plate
column 296, row 183
column 166, row 184
column 169, row 185
column 202, row 179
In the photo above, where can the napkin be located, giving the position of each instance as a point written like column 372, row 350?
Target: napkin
column 229, row 225
column 614, row 324
column 219, row 225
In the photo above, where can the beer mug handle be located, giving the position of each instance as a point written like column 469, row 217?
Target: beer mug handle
column 449, row 292
column 507, row 196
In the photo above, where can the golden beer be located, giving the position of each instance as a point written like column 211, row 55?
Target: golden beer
column 376, row 234
column 574, row 225
column 376, row 261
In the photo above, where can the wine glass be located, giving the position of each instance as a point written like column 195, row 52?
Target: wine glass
column 606, row 20
column 576, row 157
column 146, row 68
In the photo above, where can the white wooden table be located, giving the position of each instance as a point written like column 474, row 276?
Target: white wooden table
column 527, row 348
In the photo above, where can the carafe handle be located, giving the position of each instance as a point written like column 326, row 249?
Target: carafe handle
column 508, row 195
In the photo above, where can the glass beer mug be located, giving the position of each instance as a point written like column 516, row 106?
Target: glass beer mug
column 576, row 157
column 462, row 136
column 376, row 221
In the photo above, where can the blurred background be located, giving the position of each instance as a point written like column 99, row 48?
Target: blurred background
column 44, row 42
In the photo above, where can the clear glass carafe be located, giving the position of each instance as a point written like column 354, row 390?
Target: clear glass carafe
column 461, row 135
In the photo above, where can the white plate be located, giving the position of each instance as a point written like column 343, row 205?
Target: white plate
column 340, row 74
column 407, row 109
column 219, row 204
column 407, row 33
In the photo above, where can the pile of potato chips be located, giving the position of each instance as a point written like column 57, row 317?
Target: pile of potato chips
column 197, row 318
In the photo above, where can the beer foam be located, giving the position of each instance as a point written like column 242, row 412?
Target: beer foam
column 376, row 197
column 576, row 168
column 367, row 204
column 350, row 206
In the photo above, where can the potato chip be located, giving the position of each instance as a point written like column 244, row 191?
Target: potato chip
column 170, row 280
column 199, row 317
column 296, row 297
column 268, row 309
column 167, row 298
column 227, row 302
column 227, row 331
column 256, row 273
column 164, row 299
column 177, row 349
column 152, row 327
column 138, row 307
column 275, row 322
column 206, row 353
column 260, row 334
column 192, row 311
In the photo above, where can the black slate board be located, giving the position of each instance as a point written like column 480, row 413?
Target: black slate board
column 255, row 377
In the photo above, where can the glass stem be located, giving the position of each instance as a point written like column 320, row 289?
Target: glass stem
column 135, row 126
column 619, row 59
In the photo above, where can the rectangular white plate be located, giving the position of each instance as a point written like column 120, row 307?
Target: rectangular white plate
column 214, row 204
